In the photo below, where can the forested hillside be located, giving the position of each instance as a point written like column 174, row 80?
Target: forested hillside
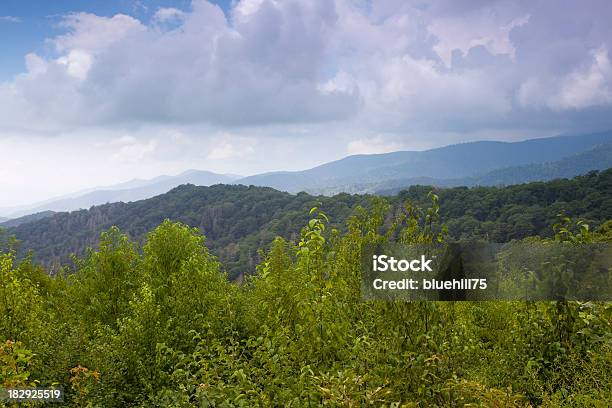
column 239, row 220
column 14, row 222
column 504, row 213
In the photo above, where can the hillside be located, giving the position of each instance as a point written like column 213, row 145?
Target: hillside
column 238, row 220
column 596, row 158
column 450, row 162
column 501, row 214
column 14, row 222
column 133, row 190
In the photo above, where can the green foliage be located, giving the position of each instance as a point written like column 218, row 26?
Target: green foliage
column 107, row 279
column 20, row 301
column 161, row 324
column 15, row 362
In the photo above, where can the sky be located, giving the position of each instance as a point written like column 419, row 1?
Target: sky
column 100, row 92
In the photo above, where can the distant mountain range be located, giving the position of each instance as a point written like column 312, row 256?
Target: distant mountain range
column 596, row 158
column 483, row 163
column 133, row 190
column 448, row 165
column 238, row 220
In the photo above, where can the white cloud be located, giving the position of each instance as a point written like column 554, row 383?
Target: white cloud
column 264, row 68
column 35, row 64
column 372, row 145
column 245, row 8
column 168, row 14
column 483, row 27
column 228, row 146
column 11, row 19
column 415, row 94
column 342, row 83
column 77, row 63
column 90, row 32
column 590, row 87
column 122, row 140
column 132, row 151
column 584, row 87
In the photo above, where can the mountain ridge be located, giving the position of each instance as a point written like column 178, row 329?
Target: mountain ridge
column 596, row 159
column 238, row 220
column 470, row 163
column 133, row 190
column 453, row 161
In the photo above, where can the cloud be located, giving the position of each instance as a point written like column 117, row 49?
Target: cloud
column 262, row 68
column 168, row 14
column 591, row 87
column 486, row 28
column 130, row 150
column 77, row 63
column 95, row 34
column 10, row 19
column 230, row 147
column 372, row 145
column 390, row 66
column 584, row 87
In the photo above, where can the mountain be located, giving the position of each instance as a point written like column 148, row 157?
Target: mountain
column 450, row 162
column 238, row 220
column 596, row 158
column 133, row 190
column 476, row 163
column 2, row 219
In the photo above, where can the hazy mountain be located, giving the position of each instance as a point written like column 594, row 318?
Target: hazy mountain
column 3, row 219
column 596, row 158
column 475, row 163
column 133, row 190
column 238, row 220
column 450, row 162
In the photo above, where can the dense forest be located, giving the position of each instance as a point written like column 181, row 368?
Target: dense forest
column 239, row 220
column 161, row 325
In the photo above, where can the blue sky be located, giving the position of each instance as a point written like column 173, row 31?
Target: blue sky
column 100, row 92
